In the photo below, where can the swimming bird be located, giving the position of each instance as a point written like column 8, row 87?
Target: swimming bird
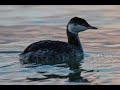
column 48, row 52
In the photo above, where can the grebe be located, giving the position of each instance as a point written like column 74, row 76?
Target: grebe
column 56, row 52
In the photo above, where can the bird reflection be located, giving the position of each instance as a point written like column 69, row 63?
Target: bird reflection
column 74, row 76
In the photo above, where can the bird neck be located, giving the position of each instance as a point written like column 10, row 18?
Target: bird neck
column 73, row 39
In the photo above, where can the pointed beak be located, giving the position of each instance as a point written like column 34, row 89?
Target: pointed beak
column 92, row 27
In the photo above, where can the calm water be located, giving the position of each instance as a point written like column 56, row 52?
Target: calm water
column 23, row 25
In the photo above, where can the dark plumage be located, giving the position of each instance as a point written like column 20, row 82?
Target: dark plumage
column 50, row 52
column 57, row 46
column 80, row 21
column 55, row 52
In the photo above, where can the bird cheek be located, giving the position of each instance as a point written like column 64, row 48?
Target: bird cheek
column 83, row 28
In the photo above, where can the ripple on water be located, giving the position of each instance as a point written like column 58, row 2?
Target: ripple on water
column 99, row 68
column 96, row 68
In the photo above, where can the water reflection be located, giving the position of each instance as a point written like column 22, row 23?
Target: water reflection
column 73, row 76
column 23, row 25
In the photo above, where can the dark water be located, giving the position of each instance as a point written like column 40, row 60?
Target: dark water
column 23, row 25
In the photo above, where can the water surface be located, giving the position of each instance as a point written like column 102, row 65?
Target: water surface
column 25, row 24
